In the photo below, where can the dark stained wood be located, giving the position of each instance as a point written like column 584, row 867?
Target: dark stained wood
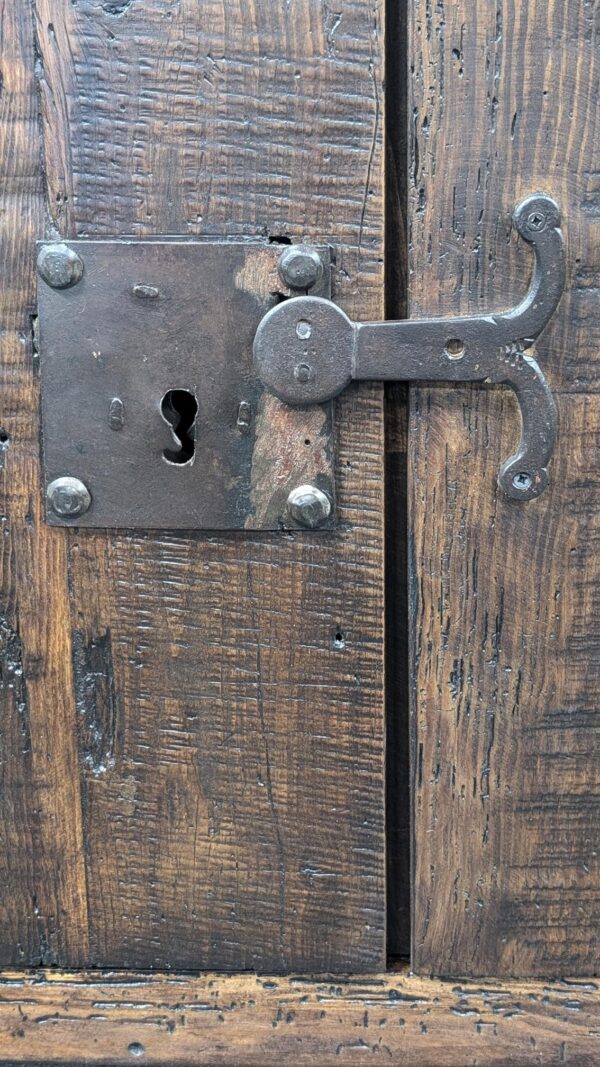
column 241, row 1020
column 505, row 596
column 43, row 910
column 229, row 689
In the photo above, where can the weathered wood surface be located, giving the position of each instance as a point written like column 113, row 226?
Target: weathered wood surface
column 192, row 726
column 43, row 909
column 398, row 815
column 505, row 596
column 243, row 1020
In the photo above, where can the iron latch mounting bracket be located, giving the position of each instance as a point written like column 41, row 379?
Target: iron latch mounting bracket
column 188, row 384
column 307, row 350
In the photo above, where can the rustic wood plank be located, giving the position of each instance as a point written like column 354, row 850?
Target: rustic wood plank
column 43, row 911
column 398, row 815
column 506, row 632
column 230, row 689
column 116, row 1018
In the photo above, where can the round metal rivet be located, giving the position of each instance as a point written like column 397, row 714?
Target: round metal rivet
column 303, row 372
column 303, row 330
column 60, row 266
column 309, row 506
column 68, row 497
column 455, row 348
column 300, row 268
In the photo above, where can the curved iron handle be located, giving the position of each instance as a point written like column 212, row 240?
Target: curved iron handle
column 307, row 350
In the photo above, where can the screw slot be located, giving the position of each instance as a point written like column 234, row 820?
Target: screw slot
column 537, row 221
column 522, row 481
column 455, row 348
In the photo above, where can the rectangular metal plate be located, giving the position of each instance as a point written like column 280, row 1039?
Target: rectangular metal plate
column 148, row 317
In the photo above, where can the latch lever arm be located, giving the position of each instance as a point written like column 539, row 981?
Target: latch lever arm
column 307, row 350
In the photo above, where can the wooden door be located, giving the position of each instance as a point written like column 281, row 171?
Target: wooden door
column 295, row 753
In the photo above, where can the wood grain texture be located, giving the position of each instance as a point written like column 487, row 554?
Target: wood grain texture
column 43, row 910
column 398, row 813
column 229, row 689
column 120, row 1018
column 505, row 596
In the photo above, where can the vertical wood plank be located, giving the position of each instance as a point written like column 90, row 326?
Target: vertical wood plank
column 230, row 689
column 505, row 596
column 43, row 909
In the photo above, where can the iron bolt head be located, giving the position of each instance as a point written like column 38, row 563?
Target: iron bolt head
column 59, row 266
column 300, row 267
column 537, row 221
column 309, row 506
column 68, row 497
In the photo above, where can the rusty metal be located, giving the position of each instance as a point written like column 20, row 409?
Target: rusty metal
column 307, row 350
column 150, row 399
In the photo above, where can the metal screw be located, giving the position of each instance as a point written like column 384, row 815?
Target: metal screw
column 309, row 506
column 59, row 266
column 68, row 497
column 522, row 481
column 300, row 268
column 303, row 372
column 537, row 221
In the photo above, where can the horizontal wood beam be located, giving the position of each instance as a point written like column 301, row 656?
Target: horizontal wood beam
column 119, row 1018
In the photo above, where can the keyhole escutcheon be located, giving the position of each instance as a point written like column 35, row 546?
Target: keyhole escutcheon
column 179, row 409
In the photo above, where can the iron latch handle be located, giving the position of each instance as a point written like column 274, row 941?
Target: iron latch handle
column 307, row 350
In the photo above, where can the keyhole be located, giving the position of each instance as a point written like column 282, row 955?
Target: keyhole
column 179, row 408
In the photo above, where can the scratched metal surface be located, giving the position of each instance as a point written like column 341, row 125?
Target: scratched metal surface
column 152, row 316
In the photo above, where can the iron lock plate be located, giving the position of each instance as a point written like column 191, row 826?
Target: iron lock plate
column 150, row 398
